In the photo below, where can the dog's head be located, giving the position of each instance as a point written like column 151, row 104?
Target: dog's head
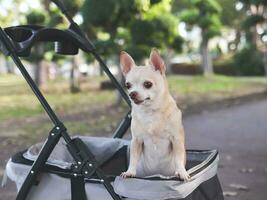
column 146, row 84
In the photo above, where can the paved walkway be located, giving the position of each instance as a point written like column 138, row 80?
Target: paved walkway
column 240, row 134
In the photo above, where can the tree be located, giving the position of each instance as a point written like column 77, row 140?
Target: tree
column 73, row 8
column 255, row 25
column 155, row 27
column 37, row 17
column 255, row 19
column 8, row 18
column 232, row 19
column 50, row 17
column 133, row 25
column 104, row 22
column 206, row 15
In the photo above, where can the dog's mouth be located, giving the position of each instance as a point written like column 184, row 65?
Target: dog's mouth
column 137, row 101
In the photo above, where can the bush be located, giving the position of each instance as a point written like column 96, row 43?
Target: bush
column 249, row 62
column 186, row 68
column 222, row 66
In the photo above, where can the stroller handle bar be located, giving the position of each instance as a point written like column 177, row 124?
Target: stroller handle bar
column 67, row 42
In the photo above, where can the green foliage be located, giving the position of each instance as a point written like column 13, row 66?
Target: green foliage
column 152, row 2
column 253, row 2
column 179, row 6
column 106, row 47
column 214, row 28
column 190, row 16
column 138, row 51
column 255, row 18
column 249, row 62
column 142, row 32
column 207, row 6
column 134, row 25
column 104, row 21
column 252, row 21
column 55, row 18
column 107, row 14
column 230, row 16
column 73, row 6
column 152, row 33
column 206, row 15
column 99, row 12
column 177, row 43
column 36, row 17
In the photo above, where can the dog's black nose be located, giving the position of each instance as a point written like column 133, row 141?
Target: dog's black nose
column 133, row 95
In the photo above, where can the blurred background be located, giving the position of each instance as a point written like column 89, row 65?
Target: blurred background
column 216, row 58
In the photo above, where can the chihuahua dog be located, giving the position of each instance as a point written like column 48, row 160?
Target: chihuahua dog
column 158, row 144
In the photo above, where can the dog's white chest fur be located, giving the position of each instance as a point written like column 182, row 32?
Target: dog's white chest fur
column 157, row 132
column 156, row 158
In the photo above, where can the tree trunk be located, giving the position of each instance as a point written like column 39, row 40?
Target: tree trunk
column 44, row 71
column 38, row 68
column 121, row 80
column 37, row 73
column 101, row 71
column 10, row 67
column 74, row 76
column 233, row 45
column 206, row 65
column 256, row 40
column 2, row 64
column 168, row 56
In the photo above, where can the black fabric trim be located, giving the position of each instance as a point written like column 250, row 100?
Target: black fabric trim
column 208, row 190
column 18, row 158
column 205, row 166
column 111, row 175
column 78, row 189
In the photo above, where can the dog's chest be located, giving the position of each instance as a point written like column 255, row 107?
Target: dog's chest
column 155, row 132
column 157, row 157
column 151, row 125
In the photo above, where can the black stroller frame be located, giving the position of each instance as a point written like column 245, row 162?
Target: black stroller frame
column 68, row 42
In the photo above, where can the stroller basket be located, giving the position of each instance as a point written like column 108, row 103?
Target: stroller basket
column 113, row 155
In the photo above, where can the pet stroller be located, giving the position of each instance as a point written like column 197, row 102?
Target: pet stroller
column 88, row 168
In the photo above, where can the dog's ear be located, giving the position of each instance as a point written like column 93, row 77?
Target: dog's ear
column 156, row 61
column 126, row 62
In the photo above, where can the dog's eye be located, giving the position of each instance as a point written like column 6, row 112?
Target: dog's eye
column 147, row 84
column 128, row 85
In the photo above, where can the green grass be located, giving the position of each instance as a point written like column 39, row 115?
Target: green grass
column 188, row 85
column 17, row 101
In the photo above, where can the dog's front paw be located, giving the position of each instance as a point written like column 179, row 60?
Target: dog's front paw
column 128, row 174
column 182, row 174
